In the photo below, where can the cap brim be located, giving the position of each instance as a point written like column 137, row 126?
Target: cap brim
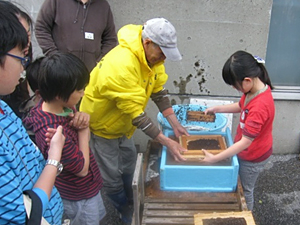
column 172, row 54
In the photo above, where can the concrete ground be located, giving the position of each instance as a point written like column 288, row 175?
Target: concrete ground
column 277, row 194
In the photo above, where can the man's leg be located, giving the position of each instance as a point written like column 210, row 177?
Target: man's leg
column 113, row 162
column 128, row 155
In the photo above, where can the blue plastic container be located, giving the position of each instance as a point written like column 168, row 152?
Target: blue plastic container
column 199, row 178
column 181, row 113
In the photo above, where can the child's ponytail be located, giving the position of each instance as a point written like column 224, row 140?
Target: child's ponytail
column 265, row 76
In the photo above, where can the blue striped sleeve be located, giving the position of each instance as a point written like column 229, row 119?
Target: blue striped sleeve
column 43, row 196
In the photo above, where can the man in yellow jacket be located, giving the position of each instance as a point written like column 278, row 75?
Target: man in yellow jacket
column 116, row 97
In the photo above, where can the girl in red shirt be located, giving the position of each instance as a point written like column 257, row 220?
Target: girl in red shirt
column 253, row 141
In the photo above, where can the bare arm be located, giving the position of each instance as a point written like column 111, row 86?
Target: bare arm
column 47, row 178
column 232, row 150
column 230, row 108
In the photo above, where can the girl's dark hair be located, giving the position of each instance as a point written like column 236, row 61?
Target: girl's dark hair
column 12, row 32
column 60, row 75
column 32, row 73
column 240, row 65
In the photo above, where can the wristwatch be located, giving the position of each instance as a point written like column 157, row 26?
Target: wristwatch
column 55, row 163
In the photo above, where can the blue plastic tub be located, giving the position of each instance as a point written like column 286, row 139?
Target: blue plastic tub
column 181, row 113
column 199, row 177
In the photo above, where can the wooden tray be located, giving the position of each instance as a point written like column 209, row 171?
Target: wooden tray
column 201, row 116
column 196, row 154
column 247, row 215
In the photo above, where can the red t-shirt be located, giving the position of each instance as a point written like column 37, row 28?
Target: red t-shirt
column 256, row 122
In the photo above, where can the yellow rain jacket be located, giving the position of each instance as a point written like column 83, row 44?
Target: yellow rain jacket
column 121, row 85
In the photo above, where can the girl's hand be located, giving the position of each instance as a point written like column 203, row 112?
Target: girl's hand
column 209, row 158
column 79, row 120
column 210, row 110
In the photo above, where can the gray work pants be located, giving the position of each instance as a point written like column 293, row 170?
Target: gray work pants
column 249, row 172
column 116, row 159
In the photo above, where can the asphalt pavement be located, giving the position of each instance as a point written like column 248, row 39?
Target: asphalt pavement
column 277, row 192
column 112, row 216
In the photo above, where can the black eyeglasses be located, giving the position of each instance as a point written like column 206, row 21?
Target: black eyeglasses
column 24, row 61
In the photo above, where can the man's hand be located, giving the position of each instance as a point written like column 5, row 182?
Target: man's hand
column 79, row 120
column 177, row 127
column 173, row 147
column 176, row 149
column 179, row 130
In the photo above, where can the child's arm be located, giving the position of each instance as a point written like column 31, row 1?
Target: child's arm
column 232, row 150
column 230, row 108
column 83, row 139
column 47, row 178
column 83, row 146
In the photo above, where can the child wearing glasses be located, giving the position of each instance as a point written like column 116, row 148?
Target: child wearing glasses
column 20, row 94
column 61, row 82
column 23, row 168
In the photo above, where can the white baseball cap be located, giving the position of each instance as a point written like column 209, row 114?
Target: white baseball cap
column 163, row 33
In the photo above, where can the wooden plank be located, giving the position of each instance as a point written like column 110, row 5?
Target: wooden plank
column 177, row 213
column 138, row 188
column 241, row 197
column 166, row 221
column 194, row 206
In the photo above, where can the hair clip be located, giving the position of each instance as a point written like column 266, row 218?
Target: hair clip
column 258, row 59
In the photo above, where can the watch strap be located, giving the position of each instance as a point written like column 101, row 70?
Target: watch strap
column 55, row 163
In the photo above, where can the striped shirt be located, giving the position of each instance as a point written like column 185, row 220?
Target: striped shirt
column 70, row 186
column 14, row 177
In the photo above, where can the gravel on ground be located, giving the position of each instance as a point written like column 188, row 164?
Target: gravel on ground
column 277, row 192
